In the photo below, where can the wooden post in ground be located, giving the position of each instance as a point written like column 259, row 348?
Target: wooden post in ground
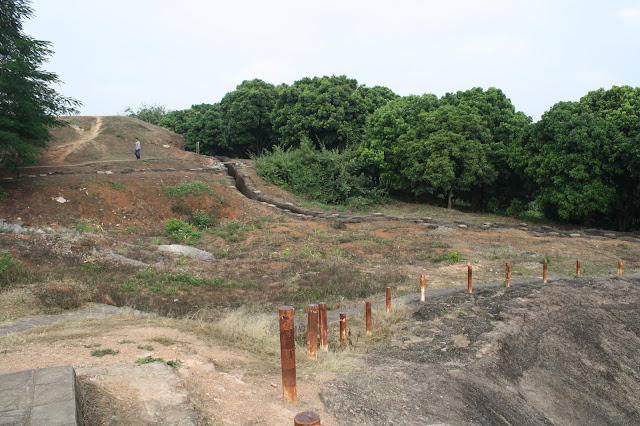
column 288, row 354
column 423, row 289
column 322, row 317
column 578, row 267
column 343, row 329
column 367, row 310
column 544, row 271
column 507, row 275
column 469, row 279
column 312, row 331
column 307, row 418
column 388, row 299
column 620, row 268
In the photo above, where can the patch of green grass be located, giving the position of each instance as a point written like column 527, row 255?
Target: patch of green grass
column 146, row 347
column 122, row 342
column 118, row 186
column 233, row 231
column 187, row 188
column 451, row 256
column 11, row 270
column 102, row 352
column 174, row 363
column 148, row 359
column 181, row 232
column 82, row 227
column 203, row 219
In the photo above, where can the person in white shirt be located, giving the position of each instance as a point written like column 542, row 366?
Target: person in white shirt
column 137, row 151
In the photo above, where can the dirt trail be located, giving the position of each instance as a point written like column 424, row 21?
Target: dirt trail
column 56, row 154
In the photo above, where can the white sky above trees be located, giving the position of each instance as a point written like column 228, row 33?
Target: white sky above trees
column 113, row 54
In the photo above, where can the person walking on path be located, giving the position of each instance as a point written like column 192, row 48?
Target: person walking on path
column 137, row 151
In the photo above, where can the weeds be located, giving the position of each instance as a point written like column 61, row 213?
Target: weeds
column 203, row 220
column 234, row 231
column 146, row 347
column 451, row 256
column 148, row 360
column 175, row 364
column 11, row 271
column 102, row 352
column 187, row 188
column 181, row 232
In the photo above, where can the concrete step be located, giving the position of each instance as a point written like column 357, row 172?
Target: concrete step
column 43, row 397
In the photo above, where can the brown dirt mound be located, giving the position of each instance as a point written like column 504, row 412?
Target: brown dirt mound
column 538, row 354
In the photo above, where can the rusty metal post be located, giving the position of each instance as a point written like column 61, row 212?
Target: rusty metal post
column 578, row 267
column 288, row 354
column 312, row 331
column 307, row 418
column 343, row 329
column 322, row 315
column 544, row 271
column 423, row 289
column 620, row 268
column 507, row 275
column 388, row 299
column 367, row 309
column 469, row 279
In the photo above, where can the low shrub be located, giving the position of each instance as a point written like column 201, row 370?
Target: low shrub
column 181, row 232
column 11, row 271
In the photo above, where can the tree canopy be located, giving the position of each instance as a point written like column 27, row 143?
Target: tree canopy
column 28, row 104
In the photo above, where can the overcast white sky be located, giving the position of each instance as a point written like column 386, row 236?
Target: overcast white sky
column 112, row 54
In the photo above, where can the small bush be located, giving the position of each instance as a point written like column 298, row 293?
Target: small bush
column 11, row 271
column 102, row 352
column 449, row 256
column 203, row 220
column 187, row 188
column 181, row 232
column 325, row 176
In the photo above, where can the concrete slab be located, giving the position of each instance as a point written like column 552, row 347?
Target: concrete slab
column 46, row 396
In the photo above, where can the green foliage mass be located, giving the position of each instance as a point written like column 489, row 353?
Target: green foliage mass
column 322, row 175
column 28, row 104
column 181, row 232
column 582, row 159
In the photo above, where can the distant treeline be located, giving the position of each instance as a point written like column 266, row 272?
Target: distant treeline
column 340, row 142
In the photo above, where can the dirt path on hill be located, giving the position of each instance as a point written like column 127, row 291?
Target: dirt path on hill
column 56, row 154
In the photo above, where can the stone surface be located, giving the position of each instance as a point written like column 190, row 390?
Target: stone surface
column 39, row 397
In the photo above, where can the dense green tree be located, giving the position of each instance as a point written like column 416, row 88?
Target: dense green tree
column 620, row 106
column 457, row 145
column 506, row 127
column 28, row 104
column 247, row 117
column 448, row 152
column 574, row 156
column 150, row 113
column 388, row 128
column 330, row 111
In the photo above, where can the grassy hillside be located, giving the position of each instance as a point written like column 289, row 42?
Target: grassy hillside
column 110, row 138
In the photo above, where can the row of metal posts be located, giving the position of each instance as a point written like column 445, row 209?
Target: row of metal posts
column 317, row 326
